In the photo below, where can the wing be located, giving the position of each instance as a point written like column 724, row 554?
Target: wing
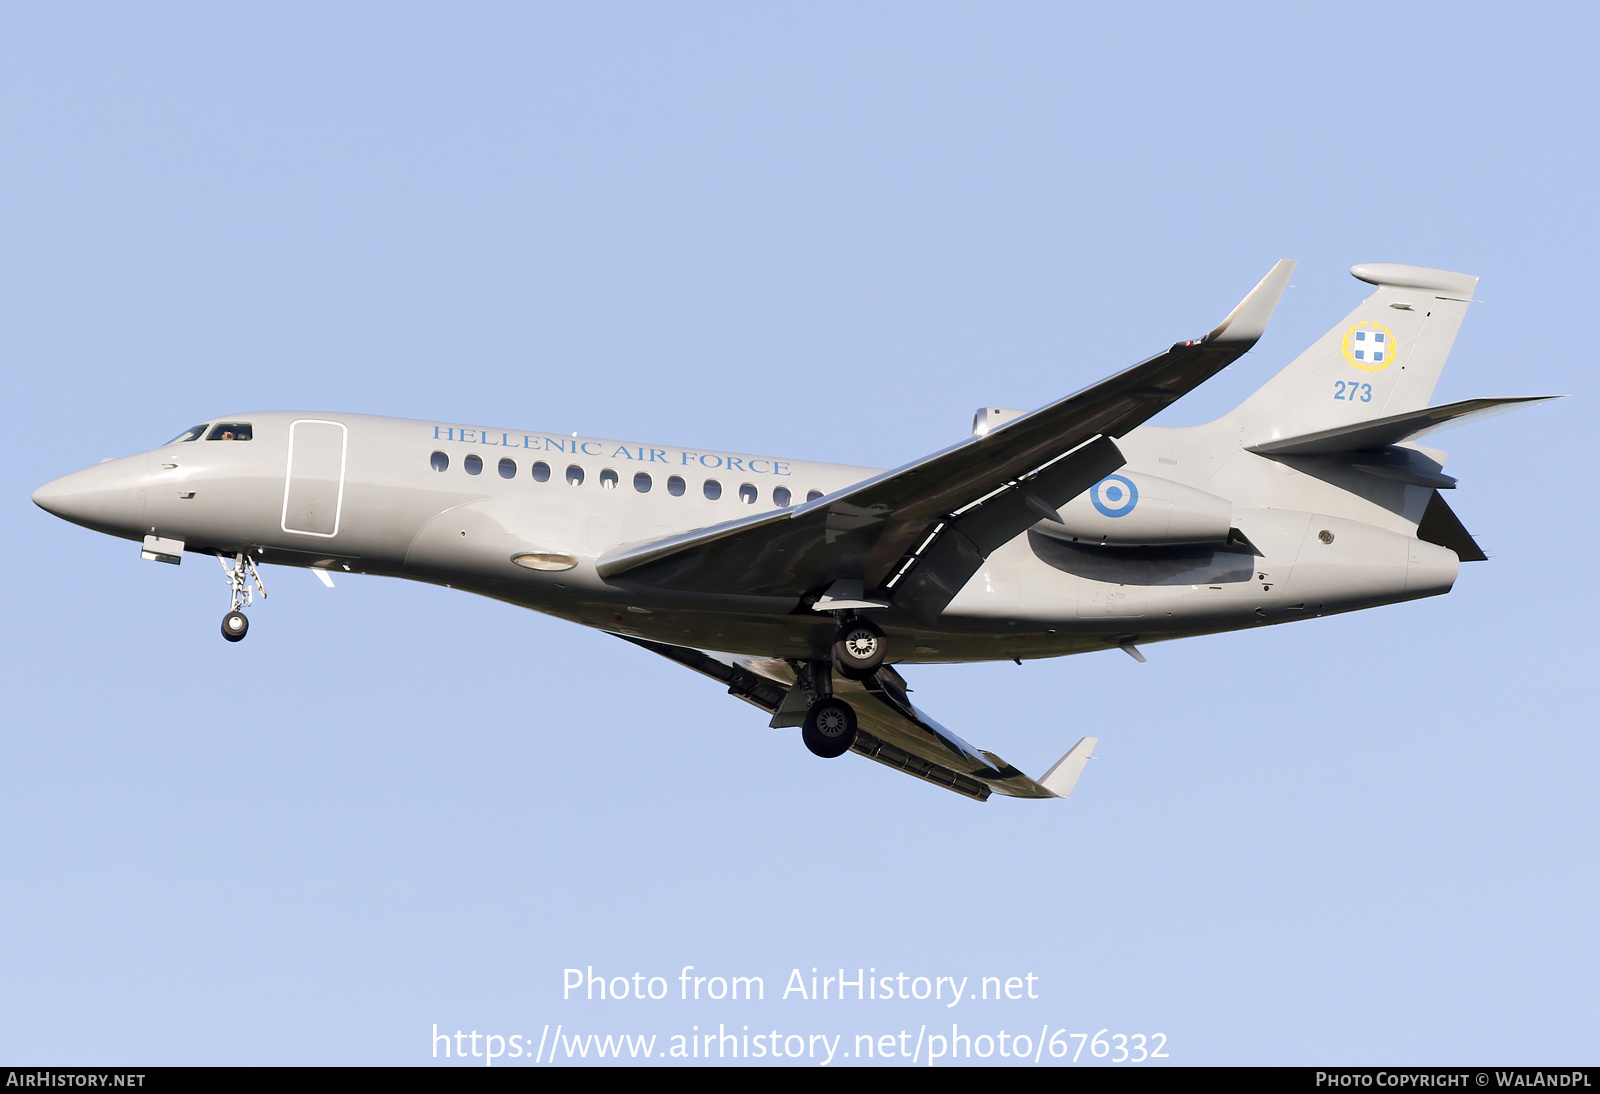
column 917, row 533
column 890, row 729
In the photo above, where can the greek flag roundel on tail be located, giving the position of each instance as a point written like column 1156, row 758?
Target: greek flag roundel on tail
column 1370, row 346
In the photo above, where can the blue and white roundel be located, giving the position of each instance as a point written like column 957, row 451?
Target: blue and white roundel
column 1115, row 496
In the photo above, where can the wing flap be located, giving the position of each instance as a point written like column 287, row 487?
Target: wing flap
column 755, row 689
column 883, row 707
column 887, row 754
column 928, row 579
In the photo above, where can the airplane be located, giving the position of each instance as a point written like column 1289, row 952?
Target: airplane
column 804, row 588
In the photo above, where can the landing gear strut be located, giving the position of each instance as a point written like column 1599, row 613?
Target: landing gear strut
column 243, row 583
column 830, row 728
column 858, row 648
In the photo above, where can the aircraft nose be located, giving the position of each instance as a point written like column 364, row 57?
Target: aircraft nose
column 108, row 497
column 50, row 496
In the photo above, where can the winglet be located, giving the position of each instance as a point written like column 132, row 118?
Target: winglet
column 1248, row 321
column 1061, row 778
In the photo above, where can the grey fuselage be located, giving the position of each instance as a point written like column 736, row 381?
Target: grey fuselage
column 1308, row 547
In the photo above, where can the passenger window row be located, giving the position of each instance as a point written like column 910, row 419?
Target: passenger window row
column 642, row 482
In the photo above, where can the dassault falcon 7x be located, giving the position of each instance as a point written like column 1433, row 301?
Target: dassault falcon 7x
column 805, row 588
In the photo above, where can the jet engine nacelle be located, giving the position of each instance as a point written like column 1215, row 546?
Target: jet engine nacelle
column 1130, row 509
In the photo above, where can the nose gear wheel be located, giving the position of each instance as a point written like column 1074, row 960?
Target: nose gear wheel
column 243, row 583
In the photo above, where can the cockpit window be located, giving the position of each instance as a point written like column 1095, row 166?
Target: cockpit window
column 193, row 433
column 229, row 431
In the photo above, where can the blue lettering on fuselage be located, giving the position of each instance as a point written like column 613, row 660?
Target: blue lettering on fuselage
column 637, row 454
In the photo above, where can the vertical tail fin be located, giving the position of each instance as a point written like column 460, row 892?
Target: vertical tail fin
column 1383, row 358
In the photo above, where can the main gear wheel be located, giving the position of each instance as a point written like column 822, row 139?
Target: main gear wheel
column 858, row 648
column 830, row 728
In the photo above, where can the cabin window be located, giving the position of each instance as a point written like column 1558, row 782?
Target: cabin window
column 574, row 475
column 473, row 464
column 230, row 431
column 440, row 461
column 747, row 494
column 780, row 497
column 193, row 433
column 813, row 495
column 508, row 469
column 713, row 489
column 541, row 472
column 676, row 486
column 608, row 479
column 641, row 483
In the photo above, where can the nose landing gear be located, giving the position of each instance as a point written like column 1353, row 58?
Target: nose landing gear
column 243, row 583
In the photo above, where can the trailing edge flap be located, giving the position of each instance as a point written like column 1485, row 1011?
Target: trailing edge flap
column 890, row 730
column 1382, row 432
column 885, row 713
column 743, row 682
column 867, row 530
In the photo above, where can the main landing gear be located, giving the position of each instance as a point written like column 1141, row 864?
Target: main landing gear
column 858, row 647
column 830, row 728
column 243, row 583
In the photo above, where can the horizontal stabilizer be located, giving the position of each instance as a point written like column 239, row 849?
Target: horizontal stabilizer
column 1061, row 778
column 1381, row 432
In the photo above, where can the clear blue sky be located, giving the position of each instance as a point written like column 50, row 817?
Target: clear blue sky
column 822, row 231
